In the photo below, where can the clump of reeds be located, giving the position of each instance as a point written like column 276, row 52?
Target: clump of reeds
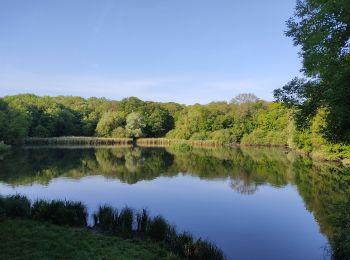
column 15, row 206
column 106, row 219
column 125, row 221
column 60, row 212
column 142, row 220
column 158, row 228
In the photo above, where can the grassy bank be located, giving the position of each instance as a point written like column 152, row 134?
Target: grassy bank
column 125, row 223
column 27, row 239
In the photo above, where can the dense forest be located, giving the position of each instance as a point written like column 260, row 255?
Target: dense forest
column 245, row 120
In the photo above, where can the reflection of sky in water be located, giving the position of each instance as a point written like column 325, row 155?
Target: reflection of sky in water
column 271, row 223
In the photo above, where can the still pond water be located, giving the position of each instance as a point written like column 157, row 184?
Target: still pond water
column 255, row 203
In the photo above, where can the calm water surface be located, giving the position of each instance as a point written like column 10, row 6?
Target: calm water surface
column 253, row 203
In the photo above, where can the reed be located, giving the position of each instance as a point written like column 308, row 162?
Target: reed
column 126, row 221
column 158, row 228
column 78, row 140
column 15, row 206
column 142, row 220
column 65, row 213
column 106, row 219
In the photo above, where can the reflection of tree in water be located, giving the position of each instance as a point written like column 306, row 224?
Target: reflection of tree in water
column 324, row 188
column 134, row 160
column 243, row 187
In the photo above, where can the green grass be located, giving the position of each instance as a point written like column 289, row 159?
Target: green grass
column 25, row 239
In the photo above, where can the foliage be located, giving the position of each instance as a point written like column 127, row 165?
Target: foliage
column 272, row 127
column 109, row 122
column 28, row 115
column 247, row 120
column 135, row 125
column 321, row 29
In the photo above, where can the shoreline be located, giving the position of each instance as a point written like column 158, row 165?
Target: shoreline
column 102, row 142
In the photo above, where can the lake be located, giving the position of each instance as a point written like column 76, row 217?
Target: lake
column 253, row 203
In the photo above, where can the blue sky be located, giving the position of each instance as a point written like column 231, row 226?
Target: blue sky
column 188, row 51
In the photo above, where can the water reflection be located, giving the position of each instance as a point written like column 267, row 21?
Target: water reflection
column 246, row 169
column 324, row 188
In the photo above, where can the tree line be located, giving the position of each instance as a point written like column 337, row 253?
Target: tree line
column 245, row 119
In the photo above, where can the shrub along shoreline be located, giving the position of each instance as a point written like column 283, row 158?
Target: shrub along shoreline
column 124, row 223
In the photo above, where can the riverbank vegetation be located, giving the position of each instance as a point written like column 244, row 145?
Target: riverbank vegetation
column 245, row 121
column 126, row 223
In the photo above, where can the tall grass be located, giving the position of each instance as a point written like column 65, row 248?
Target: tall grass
column 77, row 140
column 66, row 213
column 107, row 220
column 15, row 206
column 142, row 220
column 126, row 221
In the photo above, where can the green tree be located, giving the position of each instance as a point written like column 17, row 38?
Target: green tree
column 109, row 122
column 322, row 29
column 135, row 125
column 158, row 122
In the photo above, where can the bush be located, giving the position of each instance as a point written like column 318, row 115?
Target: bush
column 16, row 206
column 223, row 136
column 60, row 212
